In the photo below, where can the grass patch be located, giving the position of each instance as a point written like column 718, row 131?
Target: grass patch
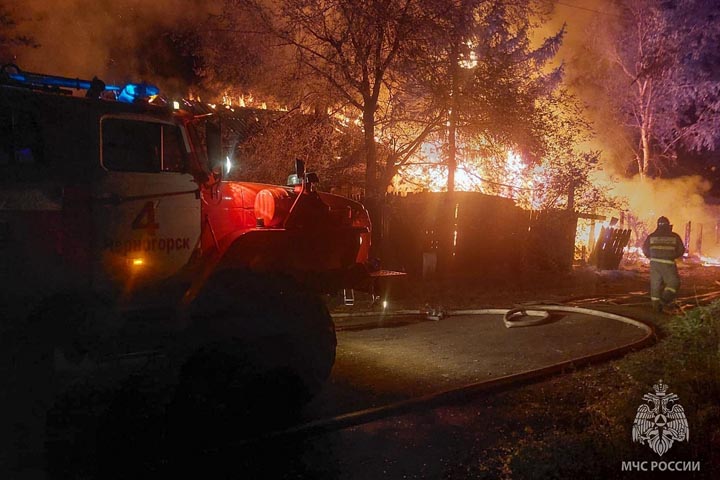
column 602, row 402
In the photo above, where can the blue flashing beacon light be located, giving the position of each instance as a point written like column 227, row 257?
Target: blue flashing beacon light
column 129, row 93
column 132, row 92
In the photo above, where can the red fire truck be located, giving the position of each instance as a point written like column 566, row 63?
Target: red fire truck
column 120, row 240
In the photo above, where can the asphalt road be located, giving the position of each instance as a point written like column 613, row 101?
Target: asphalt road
column 382, row 365
column 378, row 366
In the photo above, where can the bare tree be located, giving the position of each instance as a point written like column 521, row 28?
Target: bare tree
column 562, row 176
column 349, row 44
column 267, row 143
column 660, row 80
column 241, row 57
column 403, row 69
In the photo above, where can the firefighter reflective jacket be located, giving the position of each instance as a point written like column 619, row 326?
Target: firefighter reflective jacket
column 663, row 245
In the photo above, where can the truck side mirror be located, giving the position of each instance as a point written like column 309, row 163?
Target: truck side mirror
column 299, row 168
column 213, row 143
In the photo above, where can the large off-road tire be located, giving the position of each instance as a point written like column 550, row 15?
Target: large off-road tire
column 45, row 351
column 265, row 346
column 26, row 394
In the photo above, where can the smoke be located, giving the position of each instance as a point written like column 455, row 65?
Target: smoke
column 682, row 200
column 589, row 24
column 108, row 39
column 580, row 17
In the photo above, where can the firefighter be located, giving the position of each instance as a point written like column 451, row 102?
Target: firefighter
column 662, row 247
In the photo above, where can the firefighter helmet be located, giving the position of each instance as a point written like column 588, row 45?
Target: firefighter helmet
column 663, row 222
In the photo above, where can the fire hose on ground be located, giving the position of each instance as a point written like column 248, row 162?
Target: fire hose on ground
column 526, row 316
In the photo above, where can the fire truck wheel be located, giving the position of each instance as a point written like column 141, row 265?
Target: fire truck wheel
column 279, row 330
column 221, row 395
column 51, row 348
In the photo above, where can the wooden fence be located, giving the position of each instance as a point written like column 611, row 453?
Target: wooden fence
column 609, row 247
column 469, row 233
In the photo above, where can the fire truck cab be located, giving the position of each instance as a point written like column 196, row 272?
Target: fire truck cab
column 120, row 237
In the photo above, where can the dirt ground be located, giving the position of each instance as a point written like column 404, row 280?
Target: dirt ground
column 515, row 288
